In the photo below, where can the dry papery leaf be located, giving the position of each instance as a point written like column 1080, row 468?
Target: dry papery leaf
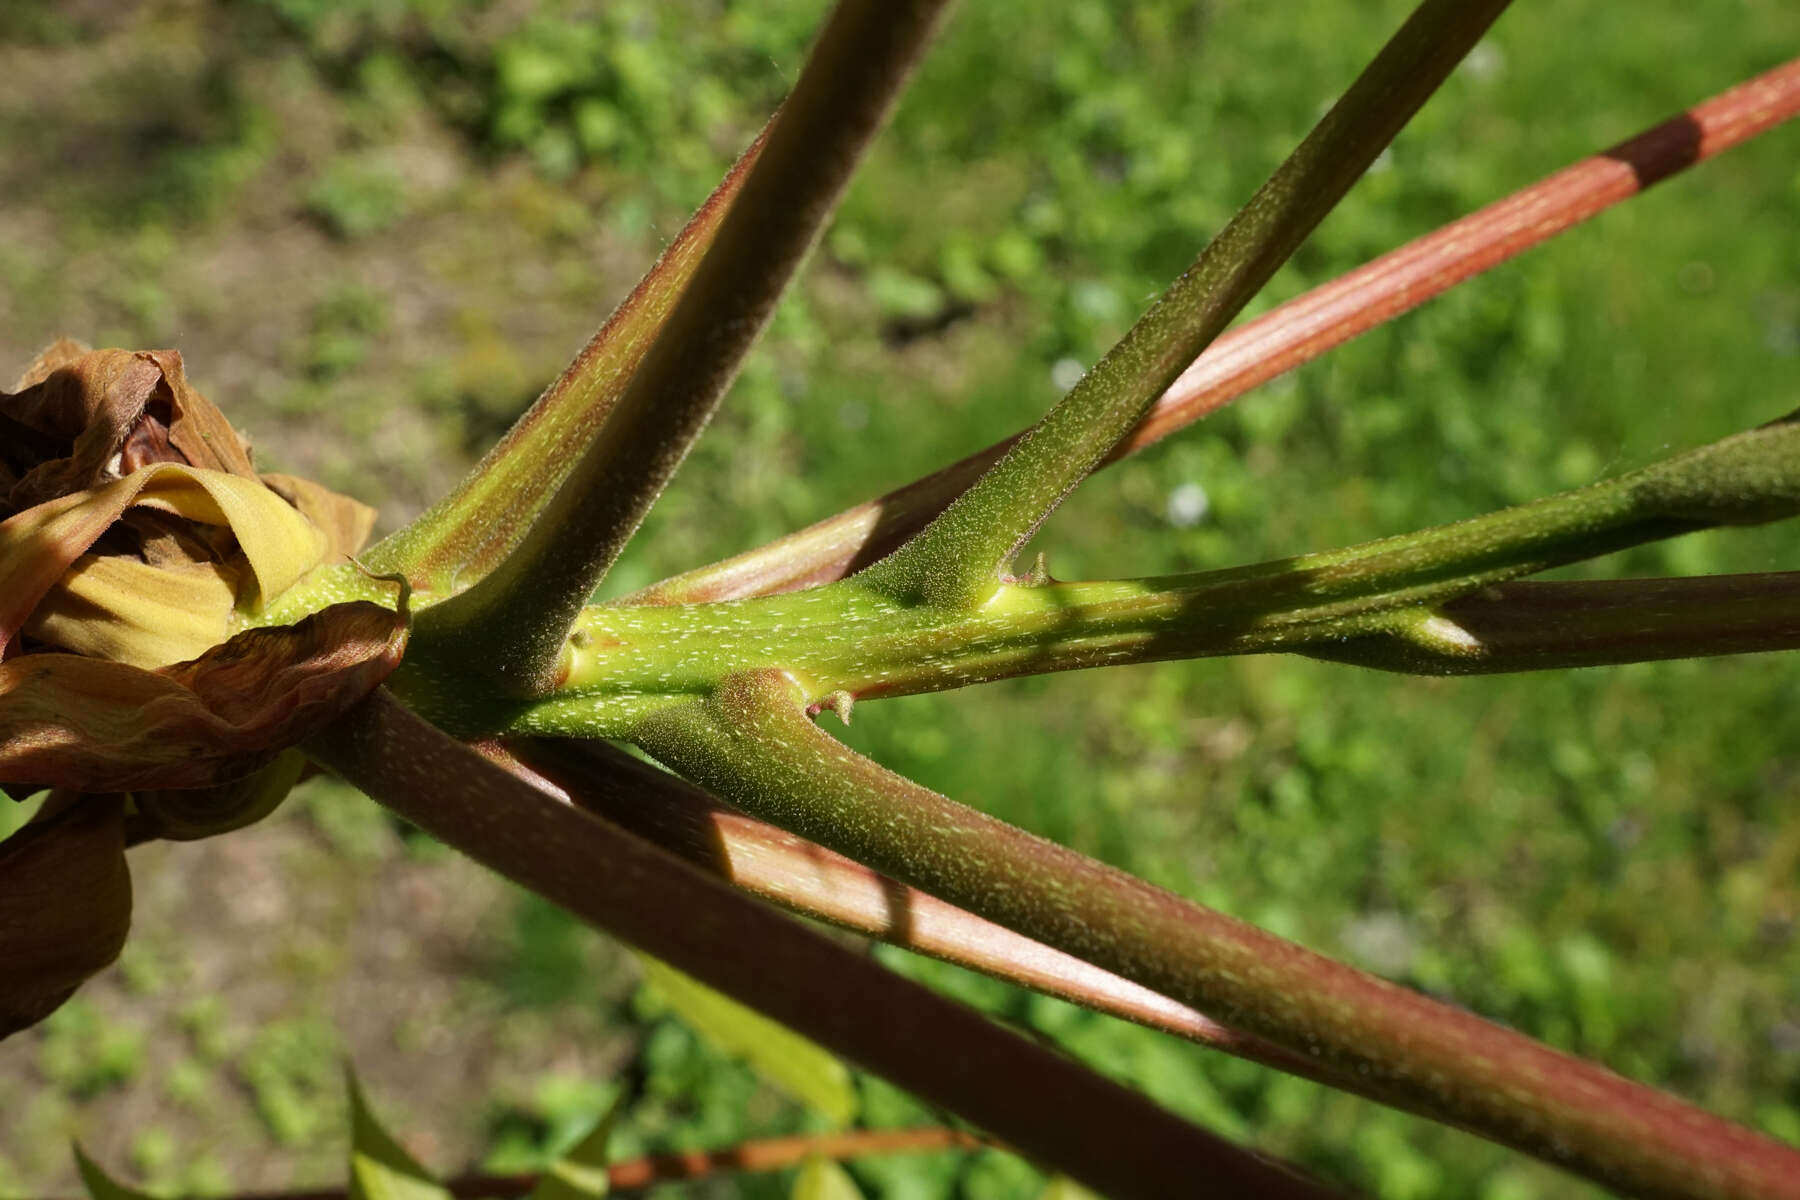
column 99, row 726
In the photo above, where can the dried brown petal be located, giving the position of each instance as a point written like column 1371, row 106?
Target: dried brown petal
column 79, row 418
column 65, row 907
column 188, row 814
column 98, row 726
column 58, row 354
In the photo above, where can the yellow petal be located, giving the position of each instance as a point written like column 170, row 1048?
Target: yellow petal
column 39, row 545
column 346, row 523
column 109, row 606
column 281, row 544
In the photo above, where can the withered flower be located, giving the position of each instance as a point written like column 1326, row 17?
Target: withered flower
column 138, row 545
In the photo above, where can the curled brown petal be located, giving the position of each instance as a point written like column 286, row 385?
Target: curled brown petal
column 98, row 726
column 87, row 416
column 65, row 907
column 196, row 426
column 76, row 417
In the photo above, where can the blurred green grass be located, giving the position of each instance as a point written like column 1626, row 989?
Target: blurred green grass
column 376, row 228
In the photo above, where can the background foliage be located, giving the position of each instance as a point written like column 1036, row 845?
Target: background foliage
column 376, row 228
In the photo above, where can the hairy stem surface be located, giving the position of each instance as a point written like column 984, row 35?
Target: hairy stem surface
column 1111, row 1138
column 485, row 517
column 1282, row 339
column 954, row 562
column 510, row 626
column 754, row 744
column 1371, row 601
column 804, row 877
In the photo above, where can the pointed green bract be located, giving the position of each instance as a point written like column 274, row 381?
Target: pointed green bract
column 791, row 1063
column 822, row 1179
column 380, row 1168
column 511, row 625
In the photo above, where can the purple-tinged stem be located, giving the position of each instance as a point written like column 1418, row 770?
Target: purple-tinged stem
column 1544, row 626
column 1052, row 1109
column 770, row 863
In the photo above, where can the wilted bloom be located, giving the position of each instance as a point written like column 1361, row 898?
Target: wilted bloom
column 137, row 546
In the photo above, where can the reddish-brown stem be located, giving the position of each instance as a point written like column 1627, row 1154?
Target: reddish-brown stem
column 806, row 878
column 1285, row 337
column 636, row 1174
column 1102, row 1134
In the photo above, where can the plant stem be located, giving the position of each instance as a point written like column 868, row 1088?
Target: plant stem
column 806, row 878
column 954, row 562
column 509, row 627
column 483, row 519
column 753, row 743
column 1286, row 337
column 1098, row 1132
column 843, row 637
column 1541, row 626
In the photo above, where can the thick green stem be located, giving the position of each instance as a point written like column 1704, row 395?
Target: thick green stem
column 1111, row 1138
column 954, row 562
column 1368, row 602
column 509, row 627
column 753, row 743
column 1544, row 626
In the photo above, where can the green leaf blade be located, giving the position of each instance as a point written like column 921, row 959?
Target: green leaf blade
column 100, row 1185
column 794, row 1065
column 822, row 1179
column 380, row 1167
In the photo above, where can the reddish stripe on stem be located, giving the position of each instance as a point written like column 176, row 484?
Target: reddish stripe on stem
column 1285, row 337
column 1328, row 316
column 805, row 877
